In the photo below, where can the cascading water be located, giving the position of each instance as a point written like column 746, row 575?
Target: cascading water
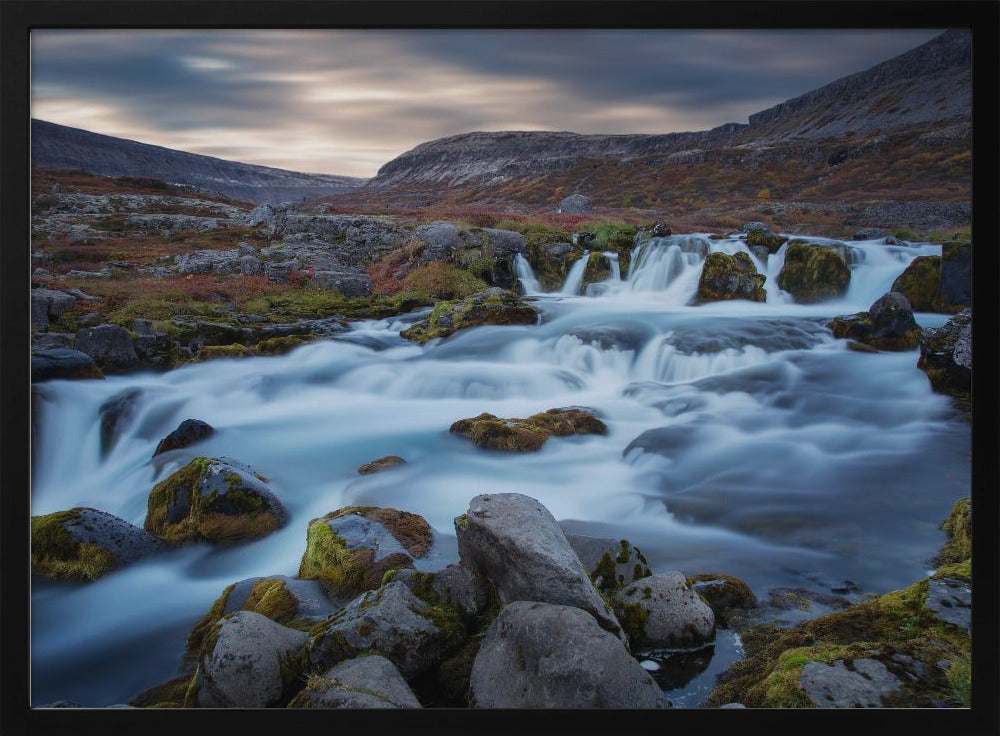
column 574, row 279
column 529, row 284
column 741, row 439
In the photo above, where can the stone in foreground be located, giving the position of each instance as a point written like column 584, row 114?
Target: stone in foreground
column 514, row 542
column 365, row 682
column 539, row 655
column 836, row 686
column 662, row 612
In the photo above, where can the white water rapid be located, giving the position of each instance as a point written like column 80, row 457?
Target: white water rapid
column 742, row 439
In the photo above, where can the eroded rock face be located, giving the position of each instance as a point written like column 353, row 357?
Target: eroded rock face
column 836, row 686
column 364, row 682
column 539, row 655
column 241, row 667
column 946, row 355
column 116, row 415
column 85, row 543
column 726, row 277
column 663, row 612
column 411, row 633
column 813, row 274
column 514, row 542
column 455, row 585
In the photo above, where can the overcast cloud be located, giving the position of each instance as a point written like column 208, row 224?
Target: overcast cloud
column 346, row 102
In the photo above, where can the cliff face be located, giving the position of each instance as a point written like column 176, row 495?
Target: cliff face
column 59, row 146
column 927, row 88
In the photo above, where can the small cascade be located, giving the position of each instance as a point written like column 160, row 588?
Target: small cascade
column 529, row 284
column 616, row 271
column 671, row 264
column 574, row 279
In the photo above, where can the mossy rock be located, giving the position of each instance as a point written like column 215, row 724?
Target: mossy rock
column 765, row 239
column 381, row 464
column 611, row 564
column 527, row 435
column 351, row 550
column 813, row 274
column 896, row 629
column 598, row 269
column 919, row 283
column 170, row 694
column 958, row 527
column 724, row 594
column 725, row 277
column 493, row 306
column 217, row 500
column 82, row 544
column 946, row 356
column 887, row 325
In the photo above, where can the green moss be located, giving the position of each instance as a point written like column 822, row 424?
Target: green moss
column 271, row 598
column 508, row 436
column 633, row 618
column 191, row 695
column 612, row 235
column 765, row 239
column 171, row 694
column 598, row 269
column 462, row 522
column 456, row 671
column 813, row 274
column 919, row 283
column 958, row 528
column 526, row 435
column 55, row 554
column 625, row 553
column 201, row 629
column 388, row 576
column 603, row 575
column 724, row 277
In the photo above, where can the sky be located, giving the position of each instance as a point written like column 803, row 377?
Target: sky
column 347, row 101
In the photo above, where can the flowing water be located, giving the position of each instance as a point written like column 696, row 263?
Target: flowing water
column 742, row 439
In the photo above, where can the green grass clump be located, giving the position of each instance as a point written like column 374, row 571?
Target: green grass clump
column 55, row 554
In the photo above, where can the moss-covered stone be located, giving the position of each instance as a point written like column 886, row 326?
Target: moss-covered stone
column 598, row 269
column 383, row 463
column 526, row 435
column 170, row 694
column 765, row 239
column 723, row 594
column 493, row 306
column 946, row 356
column 813, row 274
column 958, row 527
column 56, row 554
column 215, row 500
column 726, row 277
column 919, row 283
column 345, row 567
column 455, row 672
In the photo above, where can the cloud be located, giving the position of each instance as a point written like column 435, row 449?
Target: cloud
column 341, row 101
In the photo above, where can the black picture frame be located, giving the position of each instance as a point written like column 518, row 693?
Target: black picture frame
column 19, row 17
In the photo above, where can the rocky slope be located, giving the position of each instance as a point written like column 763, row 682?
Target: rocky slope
column 58, row 146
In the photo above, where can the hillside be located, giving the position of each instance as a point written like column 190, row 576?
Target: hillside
column 58, row 146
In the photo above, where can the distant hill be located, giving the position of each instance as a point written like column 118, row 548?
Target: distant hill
column 59, row 146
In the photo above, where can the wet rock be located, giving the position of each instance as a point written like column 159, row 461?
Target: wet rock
column 662, row 612
column 813, row 274
column 724, row 594
column 244, row 662
column 494, row 306
column 217, row 500
column 514, row 542
column 955, row 286
column 836, row 686
column 919, row 283
column 765, row 239
column 411, row 633
column 364, row 682
column 84, row 544
column 611, row 563
column 527, row 435
column 598, row 269
column 725, row 277
column 350, row 550
column 380, row 464
column 574, row 204
column 946, row 355
column 887, row 325
column 539, row 655
column 116, row 415
column 187, row 433
column 110, row 346
column 62, row 363
column 950, row 599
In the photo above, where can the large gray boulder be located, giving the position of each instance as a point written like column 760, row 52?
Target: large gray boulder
column 836, row 686
column 611, row 564
column 662, row 612
column 243, row 668
column 47, row 305
column 48, row 365
column 109, row 345
column 574, row 204
column 513, row 541
column 441, row 239
column 454, row 584
column 539, row 655
column 413, row 634
column 364, row 682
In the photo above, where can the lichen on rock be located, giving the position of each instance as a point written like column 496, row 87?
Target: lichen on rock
column 527, row 435
column 725, row 277
column 813, row 274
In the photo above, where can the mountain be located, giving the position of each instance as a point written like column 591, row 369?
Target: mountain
column 888, row 115
column 59, row 146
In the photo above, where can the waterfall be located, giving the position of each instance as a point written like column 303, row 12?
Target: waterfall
column 574, row 280
column 616, row 271
column 529, row 284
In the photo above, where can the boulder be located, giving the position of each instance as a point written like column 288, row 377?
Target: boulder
column 574, row 204
column 62, row 363
column 813, row 274
column 116, row 415
column 84, row 544
column 887, row 325
column 350, row 550
column 51, row 340
column 217, row 500
column 724, row 594
column 527, row 435
column 363, row 682
column 109, row 345
column 955, row 287
column 494, row 306
column 380, row 464
column 755, row 226
column 288, row 601
column 870, row 233
column 412, row 633
column 540, row 655
column 48, row 305
column 598, row 269
column 663, row 612
column 349, row 282
column 455, row 584
column 946, row 355
column 440, row 240
column 187, row 433
column 836, row 686
column 249, row 661
column 765, row 239
column 611, row 564
column 515, row 543
column 725, row 277
column 919, row 283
